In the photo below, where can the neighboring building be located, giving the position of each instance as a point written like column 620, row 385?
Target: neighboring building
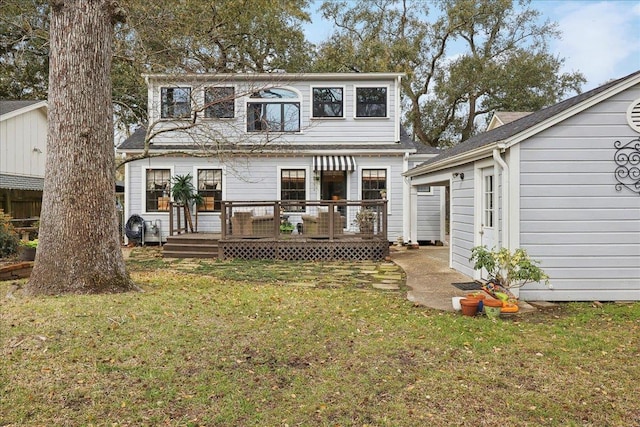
column 258, row 137
column 563, row 183
column 23, row 145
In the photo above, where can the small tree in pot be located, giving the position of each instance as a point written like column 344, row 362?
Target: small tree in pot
column 507, row 269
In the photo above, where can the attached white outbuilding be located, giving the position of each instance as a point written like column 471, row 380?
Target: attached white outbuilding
column 563, row 183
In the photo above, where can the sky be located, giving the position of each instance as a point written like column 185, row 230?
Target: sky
column 600, row 39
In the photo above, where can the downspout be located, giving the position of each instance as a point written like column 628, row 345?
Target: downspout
column 407, row 214
column 505, row 205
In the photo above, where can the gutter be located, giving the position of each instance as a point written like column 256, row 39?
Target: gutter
column 506, row 185
column 457, row 160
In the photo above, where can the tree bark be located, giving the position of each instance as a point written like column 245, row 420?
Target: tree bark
column 79, row 248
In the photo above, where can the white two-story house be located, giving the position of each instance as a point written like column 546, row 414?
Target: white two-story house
column 259, row 137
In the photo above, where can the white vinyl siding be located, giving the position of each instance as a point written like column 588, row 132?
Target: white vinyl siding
column 258, row 179
column 27, row 135
column 348, row 130
column 428, row 221
column 462, row 220
column 572, row 219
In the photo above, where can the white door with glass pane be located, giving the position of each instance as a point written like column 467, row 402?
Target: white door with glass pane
column 488, row 219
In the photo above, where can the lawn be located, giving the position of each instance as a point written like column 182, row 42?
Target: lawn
column 292, row 344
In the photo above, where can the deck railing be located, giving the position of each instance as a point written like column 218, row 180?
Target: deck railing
column 313, row 219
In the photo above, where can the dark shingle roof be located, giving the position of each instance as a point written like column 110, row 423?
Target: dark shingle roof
column 18, row 182
column 9, row 106
column 511, row 129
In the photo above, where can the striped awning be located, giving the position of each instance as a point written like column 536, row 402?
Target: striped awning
column 334, row 163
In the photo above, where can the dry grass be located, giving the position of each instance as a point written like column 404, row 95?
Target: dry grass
column 217, row 349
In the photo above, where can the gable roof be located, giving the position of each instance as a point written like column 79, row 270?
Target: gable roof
column 10, row 108
column 512, row 133
column 503, row 117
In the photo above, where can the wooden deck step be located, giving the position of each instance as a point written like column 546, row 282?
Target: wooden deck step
column 191, row 246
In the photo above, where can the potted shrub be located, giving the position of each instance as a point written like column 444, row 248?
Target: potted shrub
column 185, row 194
column 507, row 270
column 27, row 251
column 364, row 220
column 286, row 227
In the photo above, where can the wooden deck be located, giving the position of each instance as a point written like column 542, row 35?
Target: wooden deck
column 302, row 230
column 289, row 247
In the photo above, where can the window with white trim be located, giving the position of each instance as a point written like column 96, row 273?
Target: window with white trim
column 371, row 102
column 273, row 110
column 175, row 102
column 293, row 185
column 158, row 190
column 328, row 102
column 424, row 189
column 219, row 103
column 374, row 184
column 209, row 185
column 489, row 208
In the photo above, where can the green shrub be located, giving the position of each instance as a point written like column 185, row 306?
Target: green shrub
column 8, row 237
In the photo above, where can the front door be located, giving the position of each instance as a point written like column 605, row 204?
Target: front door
column 333, row 186
column 488, row 220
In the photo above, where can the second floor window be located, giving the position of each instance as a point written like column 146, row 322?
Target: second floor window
column 371, row 102
column 158, row 190
column 374, row 184
column 219, row 103
column 210, row 188
column 292, row 187
column 175, row 102
column 327, row 102
column 273, row 110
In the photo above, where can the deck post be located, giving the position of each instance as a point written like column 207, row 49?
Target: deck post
column 170, row 218
column 276, row 220
column 223, row 220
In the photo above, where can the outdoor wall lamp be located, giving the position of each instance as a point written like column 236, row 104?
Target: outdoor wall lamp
column 461, row 175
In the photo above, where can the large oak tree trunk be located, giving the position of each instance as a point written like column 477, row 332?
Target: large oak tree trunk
column 79, row 249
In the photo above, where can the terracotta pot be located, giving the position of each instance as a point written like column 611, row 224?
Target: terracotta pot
column 469, row 306
column 480, row 297
column 490, row 302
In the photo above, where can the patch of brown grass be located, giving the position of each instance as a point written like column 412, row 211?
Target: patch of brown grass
column 203, row 349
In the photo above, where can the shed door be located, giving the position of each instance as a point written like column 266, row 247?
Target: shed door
column 488, row 220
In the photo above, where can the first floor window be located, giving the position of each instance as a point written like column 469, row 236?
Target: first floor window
column 423, row 189
column 176, row 102
column 292, row 187
column 158, row 190
column 374, row 184
column 488, row 207
column 219, row 102
column 210, row 188
column 371, row 102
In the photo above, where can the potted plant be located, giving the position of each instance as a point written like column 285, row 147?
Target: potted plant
column 507, row 270
column 185, row 194
column 286, row 227
column 364, row 220
column 27, row 250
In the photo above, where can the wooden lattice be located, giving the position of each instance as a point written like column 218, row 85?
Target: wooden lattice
column 351, row 250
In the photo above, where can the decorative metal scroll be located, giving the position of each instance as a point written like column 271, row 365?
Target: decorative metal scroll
column 627, row 159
